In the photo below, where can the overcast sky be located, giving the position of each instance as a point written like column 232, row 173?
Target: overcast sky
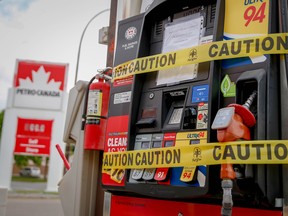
column 50, row 30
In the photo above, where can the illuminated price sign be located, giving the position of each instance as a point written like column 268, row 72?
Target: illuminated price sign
column 34, row 127
column 33, row 137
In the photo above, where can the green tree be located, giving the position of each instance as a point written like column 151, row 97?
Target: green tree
column 22, row 160
column 37, row 160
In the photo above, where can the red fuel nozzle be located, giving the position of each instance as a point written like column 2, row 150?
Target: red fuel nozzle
column 244, row 112
column 238, row 128
column 240, row 123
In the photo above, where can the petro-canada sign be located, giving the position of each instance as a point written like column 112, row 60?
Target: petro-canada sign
column 39, row 85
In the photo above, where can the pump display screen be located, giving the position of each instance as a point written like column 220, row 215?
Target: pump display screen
column 145, row 145
column 157, row 144
column 176, row 116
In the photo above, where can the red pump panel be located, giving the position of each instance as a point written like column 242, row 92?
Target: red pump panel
column 130, row 206
column 116, row 140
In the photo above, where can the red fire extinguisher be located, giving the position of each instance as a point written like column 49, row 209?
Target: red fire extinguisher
column 95, row 111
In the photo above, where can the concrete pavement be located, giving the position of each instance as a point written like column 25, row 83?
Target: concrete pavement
column 29, row 199
column 33, row 207
column 37, row 186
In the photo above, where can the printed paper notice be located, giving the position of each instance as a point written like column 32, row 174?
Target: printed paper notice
column 123, row 97
column 182, row 33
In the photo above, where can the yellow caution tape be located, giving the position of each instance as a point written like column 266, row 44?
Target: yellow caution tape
column 238, row 152
column 252, row 46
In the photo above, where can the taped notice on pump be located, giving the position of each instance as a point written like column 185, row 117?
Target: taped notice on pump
column 238, row 152
column 182, row 33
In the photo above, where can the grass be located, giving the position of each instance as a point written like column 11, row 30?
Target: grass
column 32, row 192
column 28, row 179
column 36, row 192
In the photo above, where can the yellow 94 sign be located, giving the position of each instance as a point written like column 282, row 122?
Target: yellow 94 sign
column 251, row 16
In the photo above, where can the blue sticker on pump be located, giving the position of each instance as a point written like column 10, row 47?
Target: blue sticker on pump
column 200, row 93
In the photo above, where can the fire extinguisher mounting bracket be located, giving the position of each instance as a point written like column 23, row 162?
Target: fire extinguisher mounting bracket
column 96, row 116
column 102, row 74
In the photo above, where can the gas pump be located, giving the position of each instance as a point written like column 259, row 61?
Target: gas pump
column 237, row 79
column 172, row 108
column 167, row 99
column 165, row 111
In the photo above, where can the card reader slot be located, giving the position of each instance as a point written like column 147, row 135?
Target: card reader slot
column 174, row 102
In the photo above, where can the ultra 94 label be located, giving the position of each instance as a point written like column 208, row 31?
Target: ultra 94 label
column 254, row 14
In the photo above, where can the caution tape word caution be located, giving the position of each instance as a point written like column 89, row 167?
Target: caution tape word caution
column 253, row 46
column 239, row 152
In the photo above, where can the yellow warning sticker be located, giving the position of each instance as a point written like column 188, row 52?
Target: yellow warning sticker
column 252, row 46
column 238, row 152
